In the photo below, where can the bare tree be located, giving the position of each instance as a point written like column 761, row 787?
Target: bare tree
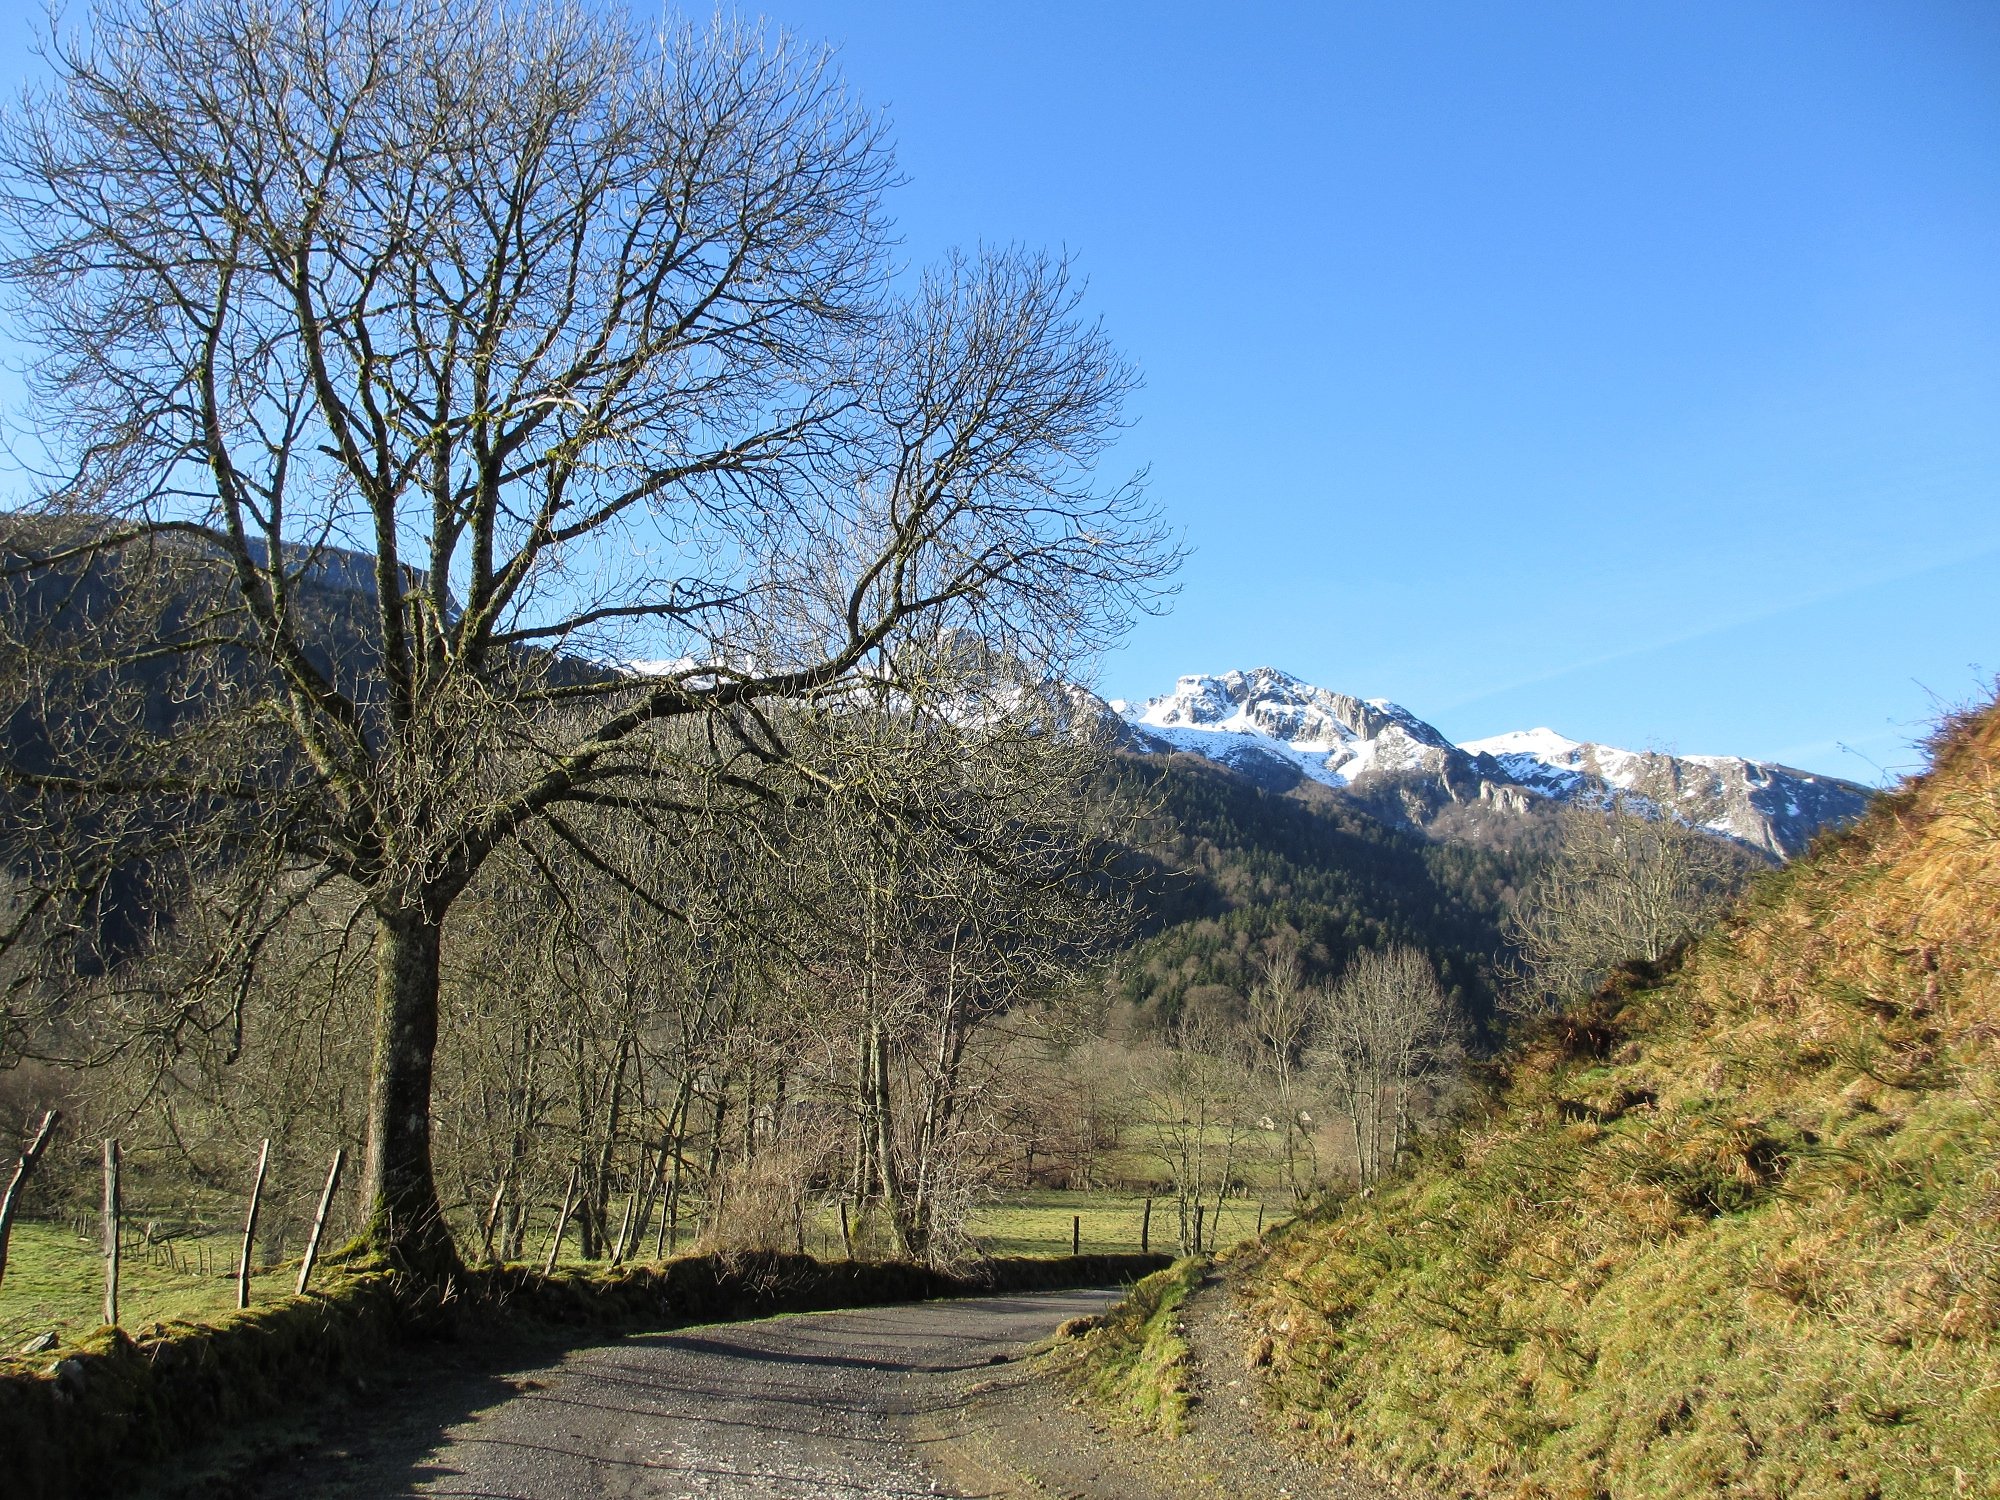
column 1281, row 1007
column 1621, row 884
column 1194, row 1114
column 410, row 360
column 961, row 846
column 1385, row 1030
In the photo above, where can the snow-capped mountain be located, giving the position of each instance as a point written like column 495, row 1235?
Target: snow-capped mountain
column 1774, row 808
column 1278, row 731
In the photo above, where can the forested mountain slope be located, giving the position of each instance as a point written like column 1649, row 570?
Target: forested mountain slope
column 1235, row 871
column 1729, row 1228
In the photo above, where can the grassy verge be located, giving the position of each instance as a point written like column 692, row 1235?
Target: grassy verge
column 1732, row 1226
column 1134, row 1363
column 88, row 1417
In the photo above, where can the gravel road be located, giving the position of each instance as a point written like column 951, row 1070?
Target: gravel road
column 835, row 1405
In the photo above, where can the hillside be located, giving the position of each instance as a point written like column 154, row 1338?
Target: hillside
column 1228, row 864
column 1730, row 1228
column 1235, row 868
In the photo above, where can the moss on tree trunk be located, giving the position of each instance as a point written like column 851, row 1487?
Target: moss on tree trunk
column 404, row 1222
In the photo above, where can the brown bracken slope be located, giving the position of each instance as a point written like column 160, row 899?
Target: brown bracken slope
column 1730, row 1226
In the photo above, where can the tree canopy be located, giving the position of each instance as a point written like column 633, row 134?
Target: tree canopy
column 417, row 365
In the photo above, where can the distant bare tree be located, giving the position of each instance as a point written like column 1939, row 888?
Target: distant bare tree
column 963, row 849
column 1385, row 1030
column 1621, row 884
column 404, row 364
column 1281, row 1013
column 1194, row 1114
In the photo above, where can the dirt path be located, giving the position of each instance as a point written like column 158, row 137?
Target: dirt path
column 1020, row 1431
column 1230, row 1422
column 836, row 1405
column 925, row 1399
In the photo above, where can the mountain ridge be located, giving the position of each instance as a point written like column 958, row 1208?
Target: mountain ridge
column 1278, row 729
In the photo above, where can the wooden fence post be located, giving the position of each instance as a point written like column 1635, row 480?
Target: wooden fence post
column 1146, row 1229
column 627, row 1225
column 669, row 1207
column 1260, row 1218
column 492, row 1220
column 250, row 1225
column 624, row 1227
column 643, row 1214
column 846, row 1232
column 562, row 1223
column 1075, row 1235
column 111, row 1232
column 21, row 1170
column 319, row 1219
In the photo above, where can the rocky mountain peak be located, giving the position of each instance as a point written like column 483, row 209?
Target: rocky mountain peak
column 1278, row 730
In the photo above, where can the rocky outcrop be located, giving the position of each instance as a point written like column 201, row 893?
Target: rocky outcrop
column 1767, row 806
column 1278, row 731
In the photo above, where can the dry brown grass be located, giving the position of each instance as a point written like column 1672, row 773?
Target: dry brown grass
column 1733, row 1225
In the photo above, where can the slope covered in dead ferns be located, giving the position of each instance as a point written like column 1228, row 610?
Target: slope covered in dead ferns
column 1729, row 1226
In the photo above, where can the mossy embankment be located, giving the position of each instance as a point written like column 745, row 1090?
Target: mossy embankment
column 1134, row 1361
column 91, row 1415
column 1730, row 1226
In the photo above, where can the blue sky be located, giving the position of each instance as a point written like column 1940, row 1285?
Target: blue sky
column 1632, row 369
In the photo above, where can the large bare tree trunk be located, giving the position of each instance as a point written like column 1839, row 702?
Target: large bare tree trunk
column 403, row 1218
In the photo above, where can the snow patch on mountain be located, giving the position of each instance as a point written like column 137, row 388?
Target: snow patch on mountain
column 1278, row 728
column 1265, row 716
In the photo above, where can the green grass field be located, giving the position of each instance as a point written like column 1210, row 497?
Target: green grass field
column 55, row 1276
column 1038, row 1223
column 55, row 1282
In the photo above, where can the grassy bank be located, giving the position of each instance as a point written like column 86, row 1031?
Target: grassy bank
column 55, row 1283
column 100, row 1409
column 1733, row 1225
column 1134, row 1364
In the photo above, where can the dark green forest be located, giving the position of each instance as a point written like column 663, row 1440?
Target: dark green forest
column 1236, row 874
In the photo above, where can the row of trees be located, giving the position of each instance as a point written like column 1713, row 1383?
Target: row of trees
column 1217, row 1096
column 846, row 1011
column 847, row 1006
column 406, row 365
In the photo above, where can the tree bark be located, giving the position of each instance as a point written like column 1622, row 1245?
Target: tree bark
column 712, row 1179
column 893, row 1201
column 22, row 1169
column 404, row 1221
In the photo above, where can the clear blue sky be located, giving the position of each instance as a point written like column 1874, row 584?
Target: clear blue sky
column 1632, row 369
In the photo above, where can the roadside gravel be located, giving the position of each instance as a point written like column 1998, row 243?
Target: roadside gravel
column 837, row 1405
column 918, row 1399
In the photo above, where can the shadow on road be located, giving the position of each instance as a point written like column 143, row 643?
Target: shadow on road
column 827, row 1406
